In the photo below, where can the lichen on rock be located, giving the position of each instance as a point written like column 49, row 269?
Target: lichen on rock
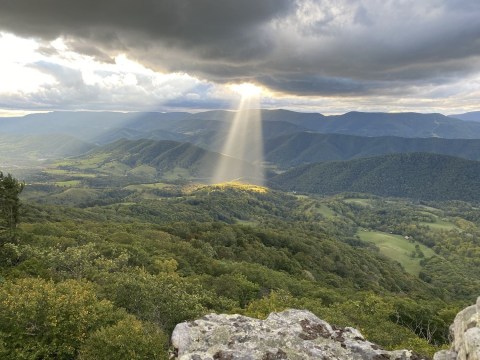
column 291, row 334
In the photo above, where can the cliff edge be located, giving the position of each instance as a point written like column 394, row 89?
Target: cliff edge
column 465, row 332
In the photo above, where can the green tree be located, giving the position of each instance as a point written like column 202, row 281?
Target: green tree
column 163, row 299
column 128, row 339
column 10, row 189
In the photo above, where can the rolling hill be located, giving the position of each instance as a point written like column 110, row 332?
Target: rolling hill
column 308, row 147
column 41, row 146
column 415, row 175
column 151, row 159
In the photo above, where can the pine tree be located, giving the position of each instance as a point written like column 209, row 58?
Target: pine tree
column 10, row 189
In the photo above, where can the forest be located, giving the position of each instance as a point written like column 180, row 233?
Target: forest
column 100, row 276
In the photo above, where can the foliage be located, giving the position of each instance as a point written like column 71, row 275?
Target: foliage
column 300, row 148
column 44, row 320
column 154, row 262
column 10, row 189
column 164, row 299
column 128, row 339
column 417, row 175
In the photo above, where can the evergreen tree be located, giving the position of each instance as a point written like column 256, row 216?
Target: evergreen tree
column 10, row 189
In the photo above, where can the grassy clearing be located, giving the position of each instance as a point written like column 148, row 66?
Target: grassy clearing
column 441, row 224
column 397, row 248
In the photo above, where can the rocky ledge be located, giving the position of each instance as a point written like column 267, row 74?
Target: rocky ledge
column 291, row 334
column 465, row 332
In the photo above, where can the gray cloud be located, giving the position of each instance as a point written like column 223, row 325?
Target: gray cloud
column 305, row 47
column 311, row 84
column 119, row 24
column 111, row 90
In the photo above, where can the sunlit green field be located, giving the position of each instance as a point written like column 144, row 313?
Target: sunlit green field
column 397, row 248
column 440, row 225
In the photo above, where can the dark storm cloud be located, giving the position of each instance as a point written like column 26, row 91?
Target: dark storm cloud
column 183, row 23
column 309, row 47
column 311, row 84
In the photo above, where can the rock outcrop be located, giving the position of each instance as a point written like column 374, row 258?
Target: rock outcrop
column 291, row 334
column 465, row 332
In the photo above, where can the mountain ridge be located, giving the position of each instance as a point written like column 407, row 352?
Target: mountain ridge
column 420, row 176
column 87, row 125
column 468, row 116
column 309, row 147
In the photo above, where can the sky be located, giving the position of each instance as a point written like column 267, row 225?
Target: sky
column 327, row 56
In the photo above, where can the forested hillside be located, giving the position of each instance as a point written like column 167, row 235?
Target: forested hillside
column 308, row 147
column 146, row 160
column 416, row 175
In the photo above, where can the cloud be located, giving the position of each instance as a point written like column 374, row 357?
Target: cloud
column 301, row 47
column 79, row 82
column 205, row 26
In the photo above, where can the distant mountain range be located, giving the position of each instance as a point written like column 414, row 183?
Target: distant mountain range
column 411, row 149
column 416, row 175
column 469, row 116
column 105, row 126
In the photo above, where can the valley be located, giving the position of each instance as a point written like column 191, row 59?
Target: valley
column 385, row 243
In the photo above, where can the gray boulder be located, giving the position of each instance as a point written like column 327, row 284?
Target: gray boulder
column 291, row 334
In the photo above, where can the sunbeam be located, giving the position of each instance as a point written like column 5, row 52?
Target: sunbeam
column 244, row 140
